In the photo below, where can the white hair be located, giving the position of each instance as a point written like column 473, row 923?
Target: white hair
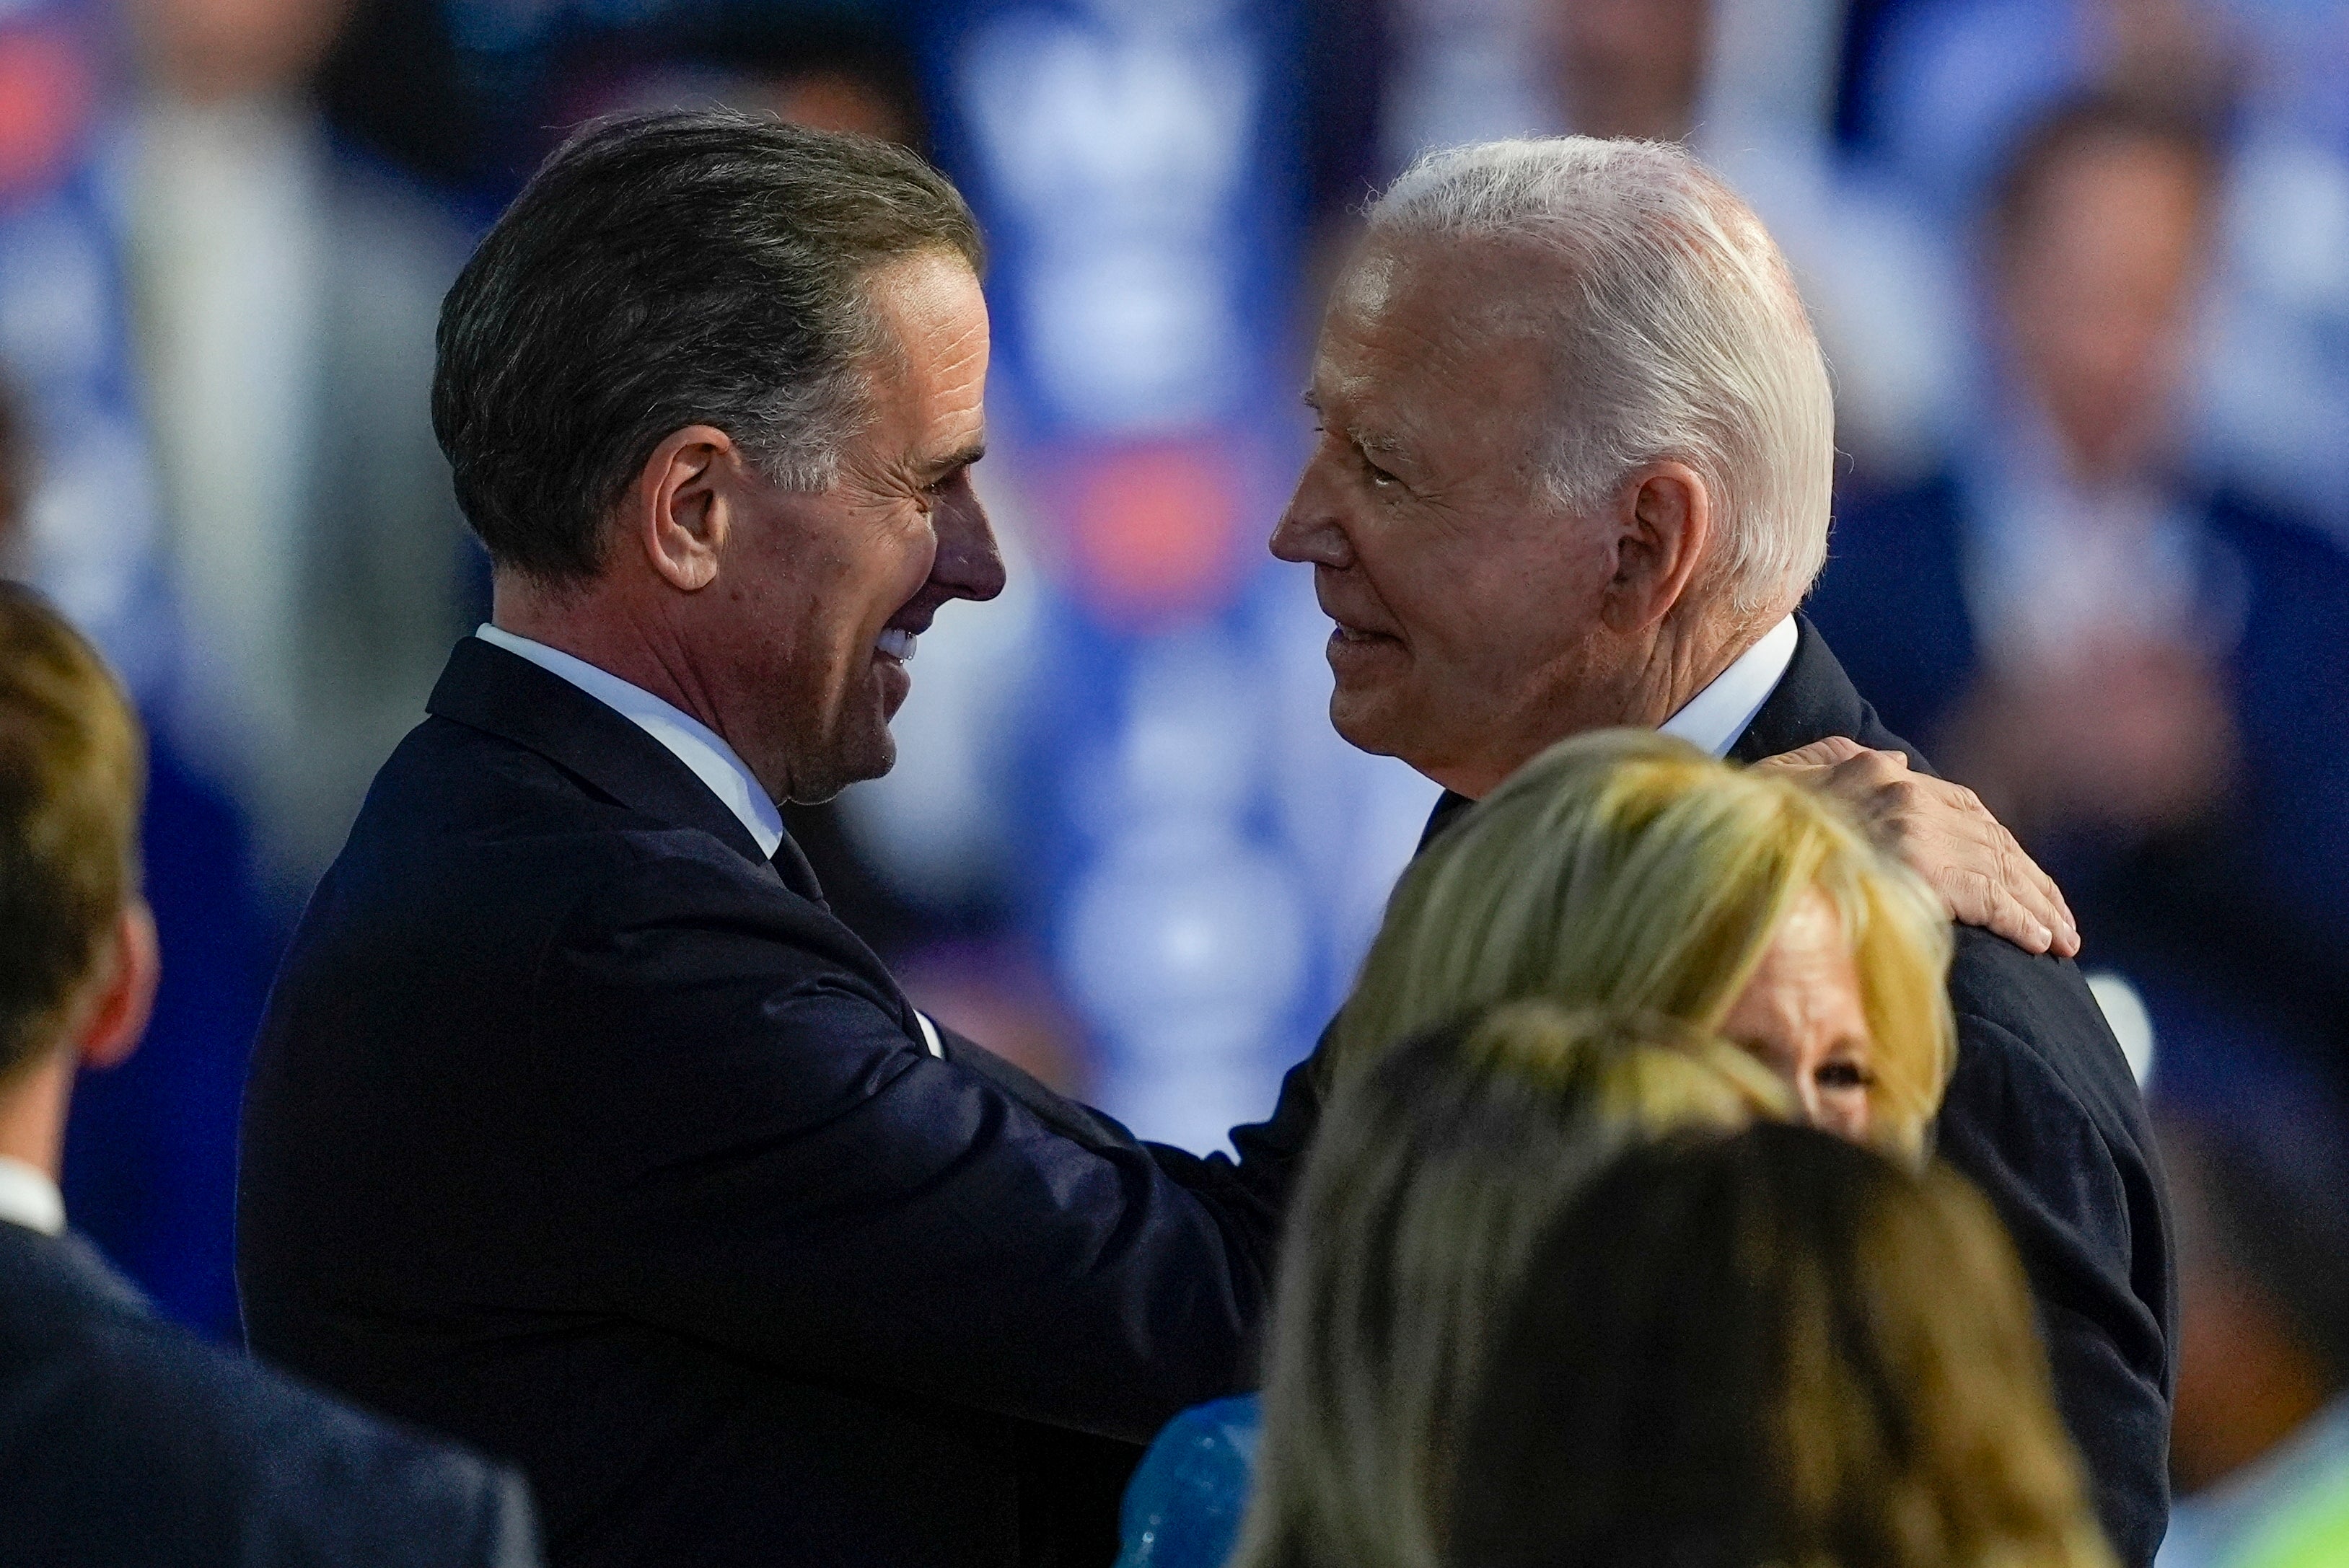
column 1681, row 336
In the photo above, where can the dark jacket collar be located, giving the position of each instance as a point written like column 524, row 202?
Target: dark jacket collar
column 1813, row 700
column 504, row 695
column 57, row 1275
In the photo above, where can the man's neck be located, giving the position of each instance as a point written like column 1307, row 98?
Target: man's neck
column 1680, row 662
column 33, row 1114
column 1685, row 661
column 593, row 623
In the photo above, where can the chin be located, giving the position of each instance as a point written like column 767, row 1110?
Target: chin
column 868, row 756
column 1364, row 723
column 826, row 770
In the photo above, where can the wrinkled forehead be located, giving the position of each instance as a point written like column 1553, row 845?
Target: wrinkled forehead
column 1444, row 324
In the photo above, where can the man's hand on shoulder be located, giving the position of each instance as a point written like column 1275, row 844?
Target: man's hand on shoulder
column 1948, row 835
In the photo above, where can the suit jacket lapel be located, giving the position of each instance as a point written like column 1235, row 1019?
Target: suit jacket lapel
column 791, row 863
column 508, row 696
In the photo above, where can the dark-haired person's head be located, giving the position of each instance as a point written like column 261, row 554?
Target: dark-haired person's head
column 77, row 954
column 1773, row 1347
column 2100, row 233
column 711, row 388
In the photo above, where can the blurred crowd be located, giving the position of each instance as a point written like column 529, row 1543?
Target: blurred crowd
column 2080, row 268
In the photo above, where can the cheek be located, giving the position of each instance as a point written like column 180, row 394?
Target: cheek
column 874, row 582
column 1457, row 604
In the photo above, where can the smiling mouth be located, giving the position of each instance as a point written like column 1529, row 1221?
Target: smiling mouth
column 895, row 645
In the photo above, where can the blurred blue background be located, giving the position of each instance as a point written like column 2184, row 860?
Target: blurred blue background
column 1123, row 844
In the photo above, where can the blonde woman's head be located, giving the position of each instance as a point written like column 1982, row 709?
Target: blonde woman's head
column 1629, row 869
column 1433, row 1170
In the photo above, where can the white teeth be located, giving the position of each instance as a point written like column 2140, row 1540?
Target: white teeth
column 895, row 644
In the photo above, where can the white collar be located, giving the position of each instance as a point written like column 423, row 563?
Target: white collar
column 29, row 1198
column 1714, row 717
column 694, row 743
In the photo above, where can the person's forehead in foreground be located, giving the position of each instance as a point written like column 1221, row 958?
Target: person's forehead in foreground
column 1575, row 450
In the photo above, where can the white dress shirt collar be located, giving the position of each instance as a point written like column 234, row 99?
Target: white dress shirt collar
column 1714, row 717
column 694, row 743
column 29, row 1198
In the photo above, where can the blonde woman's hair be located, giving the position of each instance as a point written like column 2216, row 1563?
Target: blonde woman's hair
column 1629, row 869
column 1431, row 1175
column 1769, row 1348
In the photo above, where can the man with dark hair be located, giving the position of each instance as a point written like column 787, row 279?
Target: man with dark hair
column 579, row 1125
column 125, row 1440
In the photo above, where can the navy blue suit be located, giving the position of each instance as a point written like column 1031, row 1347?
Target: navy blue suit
column 580, row 1130
column 126, row 1442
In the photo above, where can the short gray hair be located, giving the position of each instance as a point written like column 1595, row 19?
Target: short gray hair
column 1682, row 336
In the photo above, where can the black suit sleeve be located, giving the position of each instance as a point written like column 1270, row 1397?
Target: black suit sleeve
column 2079, row 1188
column 781, row 1171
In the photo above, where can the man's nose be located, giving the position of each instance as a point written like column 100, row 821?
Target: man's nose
column 969, row 564
column 1312, row 530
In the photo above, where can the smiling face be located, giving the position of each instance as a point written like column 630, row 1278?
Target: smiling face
column 1802, row 1016
column 820, row 595
column 1466, row 598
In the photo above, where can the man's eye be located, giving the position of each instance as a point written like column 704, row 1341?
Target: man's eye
column 1379, row 476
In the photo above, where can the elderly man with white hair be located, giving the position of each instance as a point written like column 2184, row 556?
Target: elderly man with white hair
column 1574, row 471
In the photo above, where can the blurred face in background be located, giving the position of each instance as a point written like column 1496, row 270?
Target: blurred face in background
column 1632, row 67
column 207, row 50
column 1466, row 598
column 1801, row 1016
column 2097, row 277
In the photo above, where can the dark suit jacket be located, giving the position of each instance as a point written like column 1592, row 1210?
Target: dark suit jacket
column 581, row 1131
column 126, row 1441
column 2044, row 1117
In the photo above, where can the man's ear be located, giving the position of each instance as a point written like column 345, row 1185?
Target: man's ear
column 684, row 503
column 114, row 1017
column 1664, row 523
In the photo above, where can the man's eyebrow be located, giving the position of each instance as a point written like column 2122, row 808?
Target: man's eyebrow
column 961, row 457
column 1368, row 440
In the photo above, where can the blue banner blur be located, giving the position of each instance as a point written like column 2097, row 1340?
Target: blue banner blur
column 1202, row 857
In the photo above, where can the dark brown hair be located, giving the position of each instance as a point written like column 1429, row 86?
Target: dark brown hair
column 663, row 271
column 1776, row 1347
